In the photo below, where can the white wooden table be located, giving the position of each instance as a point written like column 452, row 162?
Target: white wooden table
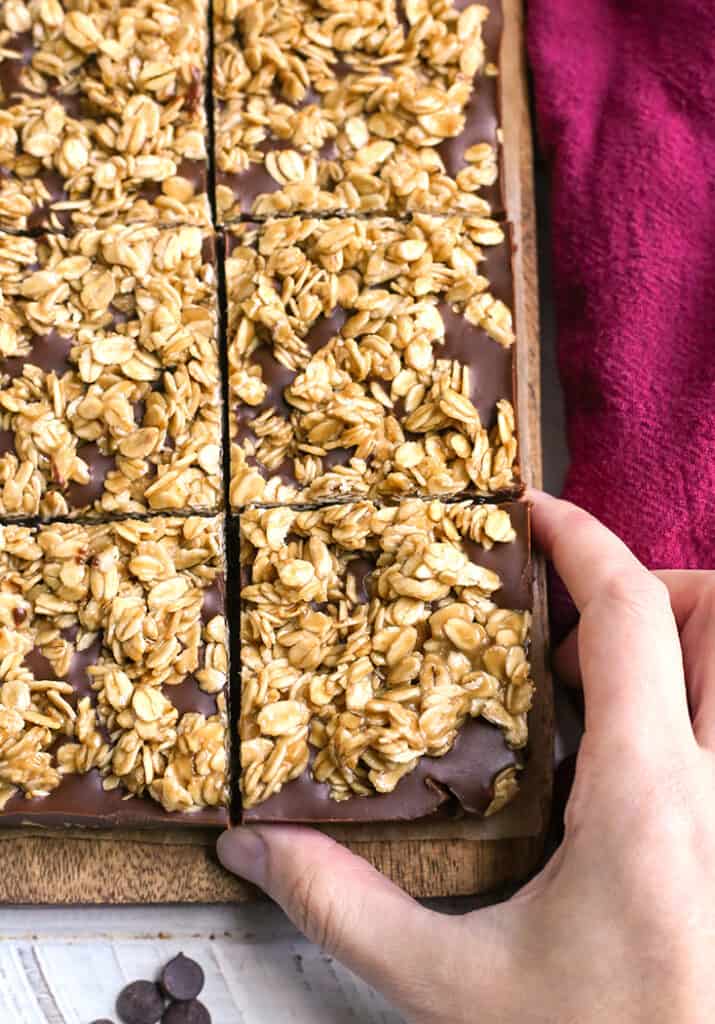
column 67, row 966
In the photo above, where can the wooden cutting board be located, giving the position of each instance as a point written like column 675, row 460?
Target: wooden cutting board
column 71, row 867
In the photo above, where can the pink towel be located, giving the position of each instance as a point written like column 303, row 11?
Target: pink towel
column 625, row 101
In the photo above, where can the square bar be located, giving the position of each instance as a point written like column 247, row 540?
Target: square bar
column 113, row 673
column 387, row 106
column 102, row 116
column 384, row 660
column 109, row 373
column 370, row 358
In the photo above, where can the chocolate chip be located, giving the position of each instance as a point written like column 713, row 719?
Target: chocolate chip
column 192, row 1012
column 140, row 1003
column 182, row 978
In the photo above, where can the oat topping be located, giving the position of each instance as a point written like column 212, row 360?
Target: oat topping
column 102, row 112
column 109, row 380
column 378, row 106
column 368, row 357
column 99, row 626
column 368, row 636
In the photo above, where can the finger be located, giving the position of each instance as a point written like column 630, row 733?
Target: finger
column 692, row 595
column 344, row 905
column 692, row 598
column 565, row 660
column 686, row 588
column 586, row 555
column 628, row 646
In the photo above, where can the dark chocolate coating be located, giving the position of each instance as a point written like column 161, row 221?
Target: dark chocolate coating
column 462, row 778
column 7, row 441
column 49, row 351
column 77, row 675
column 483, row 113
column 360, row 570
column 324, row 329
column 498, row 267
column 255, row 181
column 188, row 696
column 100, row 465
column 80, row 801
column 11, row 67
column 511, row 561
column 464, row 775
column 192, row 170
column 491, row 365
column 481, row 125
column 214, row 600
column 12, row 89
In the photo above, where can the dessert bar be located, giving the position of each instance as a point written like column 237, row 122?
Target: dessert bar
column 109, row 373
column 102, row 113
column 370, row 357
column 384, row 659
column 113, row 672
column 387, row 106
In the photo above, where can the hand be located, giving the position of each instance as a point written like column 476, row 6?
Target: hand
column 619, row 927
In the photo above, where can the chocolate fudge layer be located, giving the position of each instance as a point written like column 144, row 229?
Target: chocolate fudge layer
column 109, row 373
column 113, row 669
column 383, row 106
column 102, row 115
column 384, row 659
column 370, row 357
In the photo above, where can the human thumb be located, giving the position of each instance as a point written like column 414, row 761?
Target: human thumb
column 344, row 905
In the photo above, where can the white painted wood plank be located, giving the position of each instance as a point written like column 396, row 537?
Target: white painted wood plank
column 67, row 965
column 49, row 981
column 17, row 999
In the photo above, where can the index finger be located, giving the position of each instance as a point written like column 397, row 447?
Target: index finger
column 628, row 646
column 585, row 553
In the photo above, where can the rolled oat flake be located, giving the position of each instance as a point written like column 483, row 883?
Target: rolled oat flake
column 182, row 978
column 141, row 1002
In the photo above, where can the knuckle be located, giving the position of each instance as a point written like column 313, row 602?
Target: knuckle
column 638, row 593
column 659, row 594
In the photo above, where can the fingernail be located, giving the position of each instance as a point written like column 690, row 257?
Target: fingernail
column 243, row 850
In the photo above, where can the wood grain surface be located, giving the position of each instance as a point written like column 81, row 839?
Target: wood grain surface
column 41, row 867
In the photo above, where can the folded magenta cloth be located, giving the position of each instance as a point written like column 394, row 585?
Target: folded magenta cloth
column 625, row 104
